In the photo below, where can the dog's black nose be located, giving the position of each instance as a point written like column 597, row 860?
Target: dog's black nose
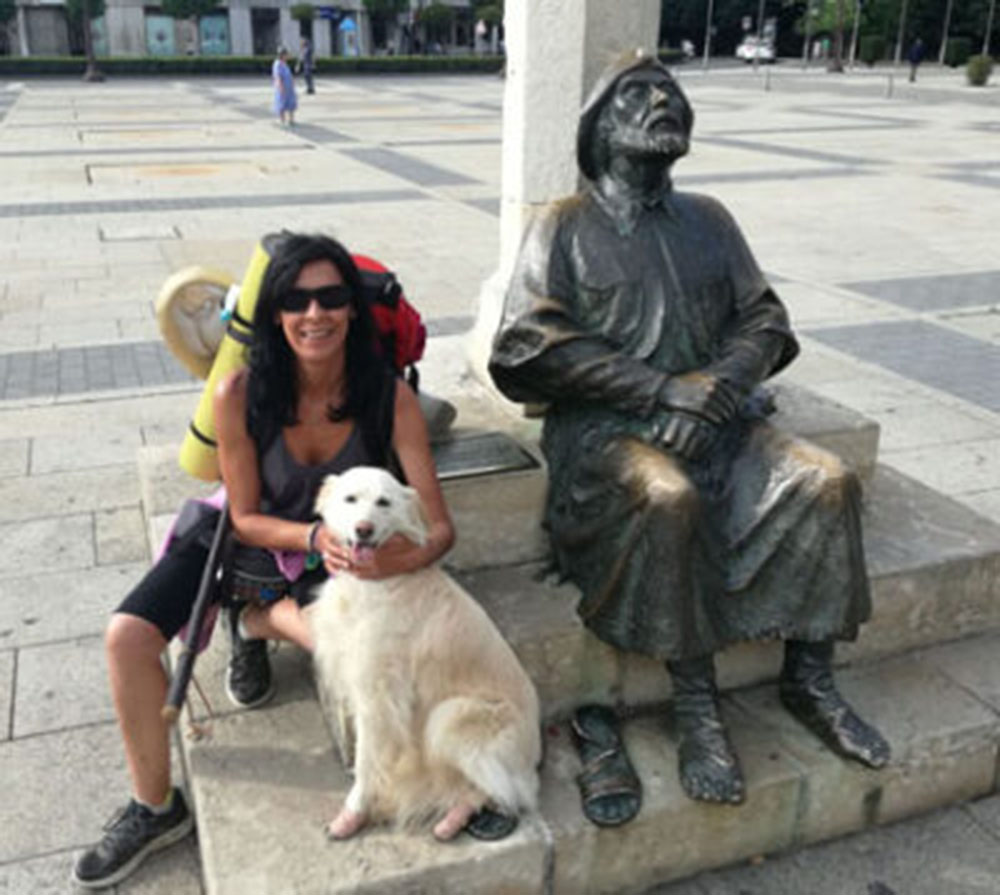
column 364, row 531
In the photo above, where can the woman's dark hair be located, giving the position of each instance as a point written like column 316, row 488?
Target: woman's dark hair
column 272, row 390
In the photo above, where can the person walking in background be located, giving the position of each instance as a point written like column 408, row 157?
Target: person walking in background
column 306, row 63
column 285, row 101
column 915, row 56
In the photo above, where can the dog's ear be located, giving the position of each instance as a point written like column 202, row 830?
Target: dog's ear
column 325, row 492
column 413, row 519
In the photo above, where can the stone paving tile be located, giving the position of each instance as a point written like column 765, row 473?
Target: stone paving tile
column 983, row 325
column 13, row 454
column 490, row 206
column 120, row 536
column 68, row 493
column 816, row 155
column 974, row 179
column 7, row 661
column 986, row 503
column 47, row 875
column 34, row 609
column 66, row 542
column 81, row 771
column 955, row 469
column 763, row 176
column 189, row 203
column 935, row 293
column 77, row 369
column 943, row 854
column 129, row 151
column 918, row 425
column 407, row 167
column 176, row 871
column 46, row 700
column 926, row 353
column 317, row 134
column 83, row 451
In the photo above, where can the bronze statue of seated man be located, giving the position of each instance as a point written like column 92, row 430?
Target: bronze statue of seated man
column 637, row 314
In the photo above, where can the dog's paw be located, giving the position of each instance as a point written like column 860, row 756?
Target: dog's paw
column 345, row 824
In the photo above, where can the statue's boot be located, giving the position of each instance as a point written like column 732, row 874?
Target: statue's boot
column 807, row 690
column 708, row 766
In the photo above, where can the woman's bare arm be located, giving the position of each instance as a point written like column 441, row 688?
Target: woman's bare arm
column 238, row 462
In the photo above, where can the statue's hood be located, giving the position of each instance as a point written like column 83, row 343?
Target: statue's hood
column 627, row 62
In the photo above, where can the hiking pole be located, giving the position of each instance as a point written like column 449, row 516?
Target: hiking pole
column 189, row 650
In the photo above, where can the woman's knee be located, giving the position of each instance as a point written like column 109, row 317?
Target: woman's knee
column 129, row 638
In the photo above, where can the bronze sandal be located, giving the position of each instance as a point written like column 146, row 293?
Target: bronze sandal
column 607, row 778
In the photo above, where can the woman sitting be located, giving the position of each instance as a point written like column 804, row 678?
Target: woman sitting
column 316, row 399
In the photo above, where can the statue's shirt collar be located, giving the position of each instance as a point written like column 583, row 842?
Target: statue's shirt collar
column 626, row 211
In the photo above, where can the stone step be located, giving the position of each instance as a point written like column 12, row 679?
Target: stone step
column 935, row 571
column 264, row 782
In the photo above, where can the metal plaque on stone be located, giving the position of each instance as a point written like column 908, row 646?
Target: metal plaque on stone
column 481, row 454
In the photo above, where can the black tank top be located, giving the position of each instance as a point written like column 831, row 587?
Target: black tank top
column 288, row 488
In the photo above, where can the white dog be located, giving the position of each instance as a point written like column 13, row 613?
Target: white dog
column 427, row 698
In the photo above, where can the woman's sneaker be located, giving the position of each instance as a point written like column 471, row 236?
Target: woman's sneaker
column 248, row 677
column 129, row 837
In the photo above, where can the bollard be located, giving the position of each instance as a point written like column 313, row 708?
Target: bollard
column 888, row 88
column 767, row 79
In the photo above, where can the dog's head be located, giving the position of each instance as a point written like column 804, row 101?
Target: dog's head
column 365, row 506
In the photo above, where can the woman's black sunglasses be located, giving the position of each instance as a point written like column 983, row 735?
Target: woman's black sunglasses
column 329, row 298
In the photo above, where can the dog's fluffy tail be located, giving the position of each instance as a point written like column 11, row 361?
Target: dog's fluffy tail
column 491, row 744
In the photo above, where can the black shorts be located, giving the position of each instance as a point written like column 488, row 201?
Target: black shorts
column 165, row 596
column 166, row 593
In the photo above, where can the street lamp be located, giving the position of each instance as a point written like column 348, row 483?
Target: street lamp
column 708, row 35
column 944, row 32
column 760, row 34
column 899, row 37
column 989, row 28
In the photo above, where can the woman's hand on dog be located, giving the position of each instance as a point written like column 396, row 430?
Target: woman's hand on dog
column 394, row 557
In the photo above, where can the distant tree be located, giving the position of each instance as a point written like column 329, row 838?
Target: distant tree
column 304, row 13
column 8, row 12
column 490, row 13
column 437, row 19
column 81, row 14
column 384, row 12
column 189, row 9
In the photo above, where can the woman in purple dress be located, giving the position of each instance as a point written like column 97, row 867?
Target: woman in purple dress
column 285, row 101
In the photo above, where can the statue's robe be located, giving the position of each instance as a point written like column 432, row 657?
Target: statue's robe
column 760, row 537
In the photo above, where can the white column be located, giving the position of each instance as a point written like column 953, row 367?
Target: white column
column 321, row 37
column 288, row 28
column 240, row 30
column 126, row 30
column 22, row 32
column 547, row 81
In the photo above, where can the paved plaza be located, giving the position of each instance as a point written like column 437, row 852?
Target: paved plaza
column 875, row 216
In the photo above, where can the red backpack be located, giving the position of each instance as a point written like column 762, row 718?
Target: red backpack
column 401, row 333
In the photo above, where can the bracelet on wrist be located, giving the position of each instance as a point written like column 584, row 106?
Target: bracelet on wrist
column 311, row 538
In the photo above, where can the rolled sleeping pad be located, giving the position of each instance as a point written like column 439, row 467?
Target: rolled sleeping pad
column 199, row 452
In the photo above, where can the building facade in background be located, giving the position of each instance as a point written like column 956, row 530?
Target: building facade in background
column 239, row 28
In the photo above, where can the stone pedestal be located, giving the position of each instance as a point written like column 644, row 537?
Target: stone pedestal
column 547, row 81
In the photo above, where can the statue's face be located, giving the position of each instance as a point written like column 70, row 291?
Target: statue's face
column 645, row 115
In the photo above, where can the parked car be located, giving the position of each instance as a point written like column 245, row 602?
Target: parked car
column 751, row 48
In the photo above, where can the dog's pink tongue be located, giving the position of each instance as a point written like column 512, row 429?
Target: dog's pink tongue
column 362, row 554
